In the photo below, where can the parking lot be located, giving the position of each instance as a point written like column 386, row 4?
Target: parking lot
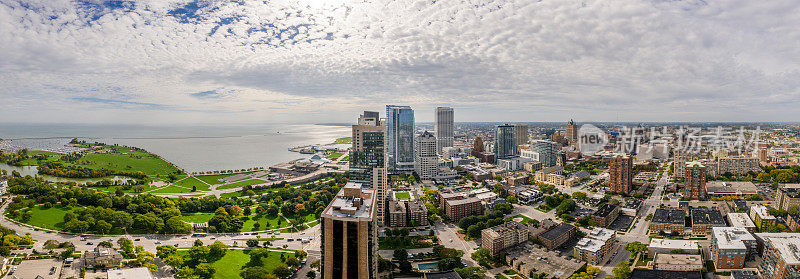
column 622, row 223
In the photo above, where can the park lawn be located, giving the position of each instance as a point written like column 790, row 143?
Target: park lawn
column 231, row 195
column 267, row 222
column 240, row 184
column 335, row 156
column 235, row 260
column 52, row 218
column 402, row 195
column 190, row 182
column 171, row 190
column 197, row 218
column 345, row 140
column 125, row 159
column 214, row 178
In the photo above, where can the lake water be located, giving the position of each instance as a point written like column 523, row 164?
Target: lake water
column 193, row 148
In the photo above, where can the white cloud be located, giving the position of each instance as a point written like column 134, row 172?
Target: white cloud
column 313, row 59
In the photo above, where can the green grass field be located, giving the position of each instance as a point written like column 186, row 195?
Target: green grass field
column 213, row 179
column 112, row 189
column 192, row 182
column 241, row 184
column 234, row 260
column 126, row 159
column 402, row 195
column 171, row 190
column 335, row 156
column 267, row 223
column 52, row 218
column 345, row 140
column 197, row 218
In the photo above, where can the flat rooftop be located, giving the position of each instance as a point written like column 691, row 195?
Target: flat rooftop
column 463, row 201
column 673, row 244
column 705, row 216
column 668, row 215
column 588, row 244
column 731, row 187
column 740, row 220
column 731, row 238
column 556, row 231
column 678, row 259
column 543, row 260
column 665, row 274
column 787, row 244
column 762, row 212
column 605, row 210
column 352, row 201
column 601, row 234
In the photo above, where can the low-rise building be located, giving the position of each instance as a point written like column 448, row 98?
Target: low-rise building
column 761, row 216
column 130, row 273
column 781, row 256
column 557, row 235
column 668, row 220
column 455, row 209
column 532, row 166
column 667, row 246
column 528, row 259
column 397, row 214
column 677, row 262
column 731, row 247
column 787, row 196
column 640, row 273
column 606, row 214
column 595, row 246
column 542, row 174
column 503, row 236
column 102, row 256
column 742, row 220
column 703, row 219
column 739, row 189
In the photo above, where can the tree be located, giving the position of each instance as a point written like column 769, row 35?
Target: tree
column 311, row 274
column 483, row 256
column 67, row 253
column 622, row 271
column 449, row 264
column 512, row 199
column 472, row 272
column 400, row 254
column 198, row 243
column 636, row 247
column 579, row 196
column 252, row 243
column 282, row 271
column 256, row 272
column 164, row 251
column 216, row 251
column 126, row 245
column 205, row 270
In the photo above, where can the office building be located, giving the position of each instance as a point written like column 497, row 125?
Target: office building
column 605, row 215
column 571, row 134
column 668, row 220
column 704, row 219
column 399, row 138
column 741, row 220
column 557, row 235
column 694, row 185
column 677, row 262
column 667, row 246
column 367, row 165
column 595, row 246
column 521, row 137
column 479, row 151
column 547, row 150
column 503, row 236
column 444, row 128
column 621, row 173
column 761, row 217
column 349, row 242
column 732, row 247
column 504, row 142
column 787, row 196
column 781, row 256
column 738, row 165
column 426, row 161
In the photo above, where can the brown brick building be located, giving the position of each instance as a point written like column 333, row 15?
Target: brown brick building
column 606, row 214
column 407, row 214
column 668, row 220
column 503, row 236
column 557, row 235
column 694, row 185
column 455, row 209
column 621, row 178
column 349, row 245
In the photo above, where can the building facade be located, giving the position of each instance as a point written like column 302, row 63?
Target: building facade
column 458, row 208
column 571, row 134
column 595, row 246
column 781, row 256
column 504, row 142
column 761, row 217
column 367, row 155
column 426, row 161
column 732, row 247
column 557, row 235
column 444, row 128
column 547, row 150
column 349, row 245
column 605, row 215
column 503, row 236
column 788, row 195
column 399, row 138
column 621, row 170
column 738, row 165
column 521, row 136
column 694, row 185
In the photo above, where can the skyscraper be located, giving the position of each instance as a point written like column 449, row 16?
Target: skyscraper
column 367, row 165
column 621, row 166
column 520, row 136
column 349, row 235
column 547, row 151
column 694, row 181
column 444, row 128
column 571, row 134
column 399, row 138
column 426, row 160
column 504, row 142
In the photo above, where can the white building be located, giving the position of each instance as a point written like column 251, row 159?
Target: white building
column 130, row 273
column 3, row 187
column 741, row 220
column 443, row 128
column 426, row 161
column 512, row 164
column 665, row 246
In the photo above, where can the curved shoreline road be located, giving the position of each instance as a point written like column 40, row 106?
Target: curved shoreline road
column 151, row 241
column 213, row 191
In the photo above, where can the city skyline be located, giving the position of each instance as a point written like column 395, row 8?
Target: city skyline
column 301, row 61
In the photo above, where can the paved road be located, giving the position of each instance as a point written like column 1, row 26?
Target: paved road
column 446, row 233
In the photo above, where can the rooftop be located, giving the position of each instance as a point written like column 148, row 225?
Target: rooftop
column 352, row 202
column 588, row 244
column 601, row 234
column 791, row 190
column 557, row 231
column 731, row 187
column 665, row 274
column 507, row 226
column 674, row 244
column 740, row 220
column 678, row 259
column 694, row 164
column 605, row 210
column 762, row 212
column 668, row 215
column 442, row 275
column 787, row 244
column 705, row 216
column 463, row 201
column 744, row 274
column 130, row 273
column 732, row 238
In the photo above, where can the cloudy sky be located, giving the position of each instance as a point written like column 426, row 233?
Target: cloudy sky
column 311, row 61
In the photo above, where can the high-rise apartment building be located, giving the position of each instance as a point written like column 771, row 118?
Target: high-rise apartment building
column 399, row 138
column 731, row 247
column 504, row 142
column 547, row 150
column 621, row 170
column 763, row 155
column 349, row 235
column 521, row 136
column 443, row 128
column 571, row 134
column 426, row 161
column 738, row 165
column 503, row 236
column 367, row 165
column 781, row 256
column 694, row 183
